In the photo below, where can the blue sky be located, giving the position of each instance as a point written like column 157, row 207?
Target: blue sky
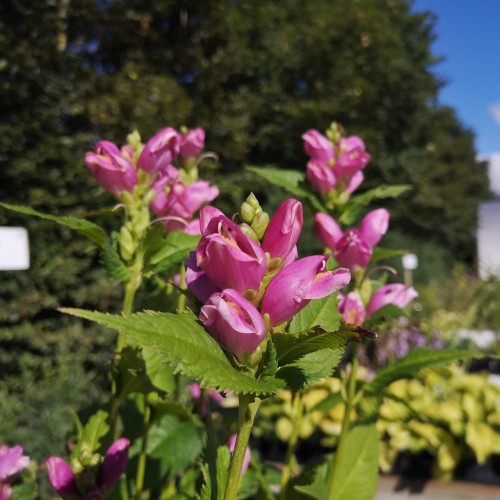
column 468, row 38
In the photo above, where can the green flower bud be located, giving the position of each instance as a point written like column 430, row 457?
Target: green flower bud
column 249, row 232
column 334, row 133
column 127, row 244
column 134, row 139
column 260, row 223
column 141, row 222
column 247, row 212
column 252, row 201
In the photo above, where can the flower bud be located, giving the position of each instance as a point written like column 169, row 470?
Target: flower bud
column 284, row 229
column 114, row 463
column 320, row 176
column 248, row 231
column 297, row 284
column 247, row 212
column 127, row 244
column 12, row 462
column 259, row 224
column 62, row 478
column 318, row 147
column 192, row 143
column 234, row 322
column 159, row 151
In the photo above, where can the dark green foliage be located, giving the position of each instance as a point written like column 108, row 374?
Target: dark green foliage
column 256, row 75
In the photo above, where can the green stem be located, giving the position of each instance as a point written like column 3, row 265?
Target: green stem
column 334, row 472
column 297, row 412
column 141, row 464
column 247, row 411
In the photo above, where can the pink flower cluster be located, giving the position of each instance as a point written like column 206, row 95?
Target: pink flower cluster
column 247, row 287
column 86, row 485
column 355, row 312
column 12, row 462
column 175, row 201
column 335, row 166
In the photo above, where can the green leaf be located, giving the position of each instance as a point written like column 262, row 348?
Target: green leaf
column 310, row 368
column 269, row 363
column 413, row 363
column 386, row 253
column 24, row 491
column 289, row 180
column 380, row 192
column 160, row 374
column 181, row 341
column 327, row 404
column 357, row 471
column 163, row 253
column 223, row 462
column 85, row 227
column 114, row 265
column 317, row 488
column 321, row 312
column 96, row 428
column 175, row 443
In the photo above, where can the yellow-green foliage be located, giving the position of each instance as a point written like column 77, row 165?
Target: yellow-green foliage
column 444, row 411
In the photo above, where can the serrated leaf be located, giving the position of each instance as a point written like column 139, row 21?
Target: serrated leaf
column 292, row 347
column 356, row 475
column 317, row 488
column 269, row 363
column 83, row 226
column 181, row 341
column 161, row 375
column 321, row 312
column 380, row 192
column 114, row 265
column 413, row 363
column 310, row 368
column 289, row 180
column 163, row 253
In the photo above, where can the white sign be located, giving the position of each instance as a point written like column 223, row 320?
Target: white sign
column 488, row 239
column 14, row 249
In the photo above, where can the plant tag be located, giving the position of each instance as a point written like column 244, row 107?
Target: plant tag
column 14, row 249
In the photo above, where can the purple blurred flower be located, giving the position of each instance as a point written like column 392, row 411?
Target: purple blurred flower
column 297, row 284
column 12, row 462
column 284, row 229
column 62, row 478
column 234, row 322
column 159, row 151
column 110, row 169
column 228, row 257
column 246, row 459
column 192, row 142
column 114, row 464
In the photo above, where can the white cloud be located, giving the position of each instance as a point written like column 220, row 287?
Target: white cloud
column 494, row 109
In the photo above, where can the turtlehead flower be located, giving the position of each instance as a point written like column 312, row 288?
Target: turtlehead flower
column 159, row 151
column 394, row 293
column 197, row 281
column 318, row 147
column 192, row 143
column 352, row 308
column 354, row 247
column 297, row 284
column 234, row 322
column 65, row 483
column 284, row 229
column 12, row 462
column 352, row 157
column 114, row 172
column 228, row 257
column 321, row 176
column 246, row 459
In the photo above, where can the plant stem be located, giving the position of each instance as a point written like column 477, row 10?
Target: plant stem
column 297, row 412
column 141, row 464
column 346, row 423
column 247, row 410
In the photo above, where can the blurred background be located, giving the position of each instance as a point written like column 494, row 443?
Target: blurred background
column 255, row 75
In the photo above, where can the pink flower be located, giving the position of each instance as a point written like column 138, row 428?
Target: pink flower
column 246, row 459
column 110, row 169
column 12, row 462
column 192, row 142
column 284, row 229
column 354, row 182
column 297, row 284
column 352, row 158
column 197, row 281
column 114, row 464
column 352, row 308
column 321, row 176
column 62, row 478
column 159, row 151
column 228, row 257
column 394, row 293
column 318, row 147
column 353, row 248
column 234, row 322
